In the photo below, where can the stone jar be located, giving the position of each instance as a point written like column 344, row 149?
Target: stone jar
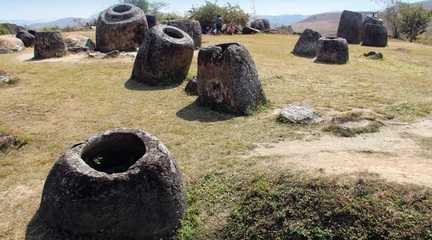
column 307, row 45
column 120, row 27
column 49, row 45
column 121, row 184
column 332, row 50
column 350, row 27
column 165, row 56
column 228, row 79
column 191, row 27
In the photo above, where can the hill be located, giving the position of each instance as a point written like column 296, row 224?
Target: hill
column 283, row 20
column 325, row 23
column 61, row 23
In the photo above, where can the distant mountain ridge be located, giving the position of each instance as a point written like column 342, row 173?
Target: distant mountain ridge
column 283, row 20
column 60, row 23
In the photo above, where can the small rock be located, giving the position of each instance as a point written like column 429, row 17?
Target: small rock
column 374, row 55
column 192, row 87
column 298, row 114
column 5, row 79
column 9, row 141
column 112, row 54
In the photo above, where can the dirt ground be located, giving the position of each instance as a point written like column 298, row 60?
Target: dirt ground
column 399, row 152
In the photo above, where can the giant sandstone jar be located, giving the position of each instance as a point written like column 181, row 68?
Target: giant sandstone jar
column 165, row 56
column 374, row 33
column 332, row 50
column 307, row 45
column 49, row 45
column 121, row 184
column 120, row 27
column 351, row 27
column 228, row 79
column 191, row 27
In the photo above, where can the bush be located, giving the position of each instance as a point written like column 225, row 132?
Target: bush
column 4, row 30
column 414, row 20
column 208, row 12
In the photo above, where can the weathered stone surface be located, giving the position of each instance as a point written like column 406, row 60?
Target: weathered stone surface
column 350, row 27
column 250, row 30
column 120, row 27
column 10, row 44
column 165, row 56
column 261, row 24
column 298, row 114
column 332, row 50
column 49, row 45
column 192, row 87
column 122, row 184
column 151, row 20
column 228, row 80
column 307, row 45
column 375, row 35
column 372, row 20
column 191, row 27
column 27, row 38
column 78, row 43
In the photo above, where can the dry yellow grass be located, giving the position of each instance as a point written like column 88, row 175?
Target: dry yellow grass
column 57, row 104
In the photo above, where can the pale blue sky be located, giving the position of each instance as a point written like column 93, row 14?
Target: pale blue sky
column 54, row 9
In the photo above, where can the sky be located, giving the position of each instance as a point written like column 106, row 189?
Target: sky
column 55, row 9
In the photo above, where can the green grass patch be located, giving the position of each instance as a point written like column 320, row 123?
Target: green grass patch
column 294, row 207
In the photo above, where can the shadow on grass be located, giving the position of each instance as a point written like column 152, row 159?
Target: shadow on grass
column 194, row 112
column 133, row 85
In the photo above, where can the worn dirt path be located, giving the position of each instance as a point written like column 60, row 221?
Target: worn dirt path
column 399, row 153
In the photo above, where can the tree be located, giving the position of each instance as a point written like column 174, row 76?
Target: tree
column 206, row 14
column 151, row 7
column 391, row 15
column 414, row 20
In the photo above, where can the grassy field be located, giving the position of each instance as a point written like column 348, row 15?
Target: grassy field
column 57, row 104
